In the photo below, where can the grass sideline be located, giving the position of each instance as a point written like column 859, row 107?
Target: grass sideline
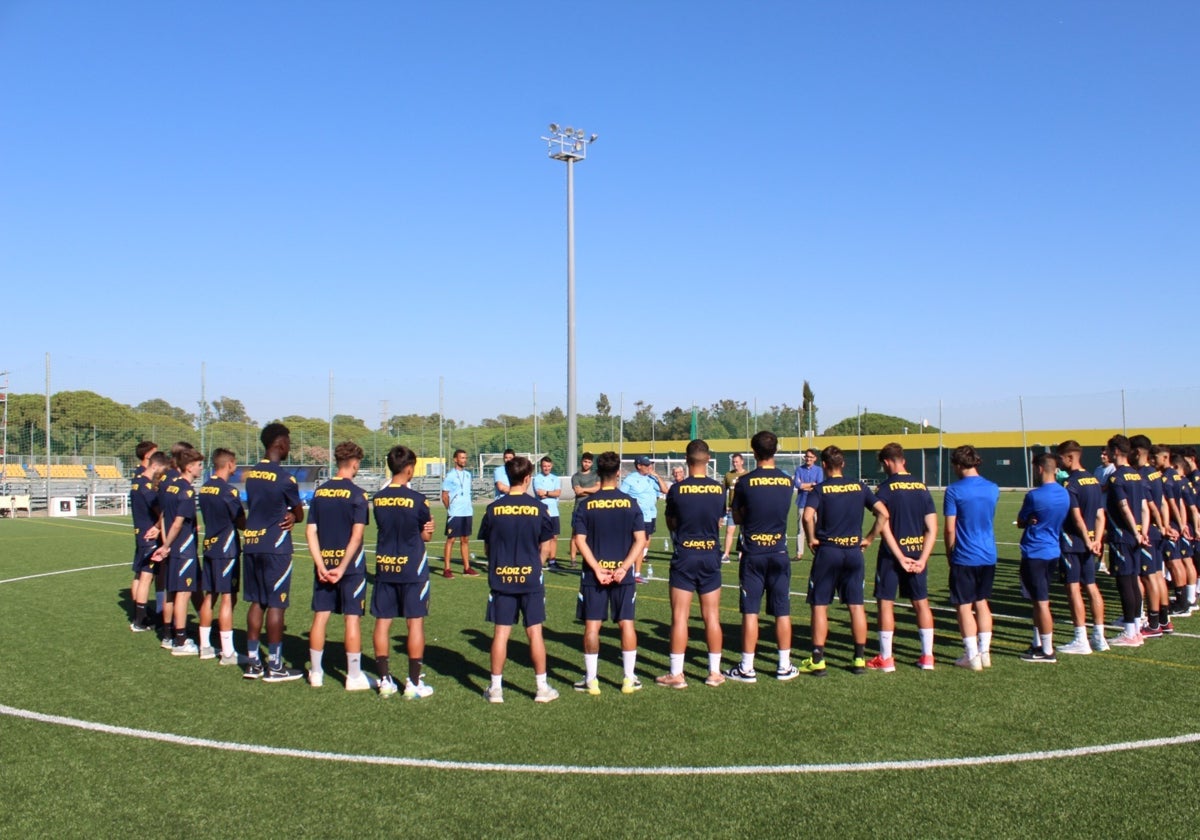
column 65, row 650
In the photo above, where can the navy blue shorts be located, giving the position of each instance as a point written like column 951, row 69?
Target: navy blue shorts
column 554, row 523
column 459, row 526
column 1185, row 548
column 1149, row 558
column 839, row 570
column 769, row 575
column 346, row 597
column 726, row 520
column 1122, row 558
column 695, row 573
column 183, row 573
column 268, row 579
column 141, row 559
column 969, row 584
column 1079, row 568
column 505, row 608
column 1036, row 576
column 891, row 577
column 1170, row 550
column 222, row 575
column 599, row 603
column 400, row 600
column 650, row 527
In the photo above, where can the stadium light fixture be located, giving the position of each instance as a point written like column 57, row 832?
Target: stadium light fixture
column 569, row 146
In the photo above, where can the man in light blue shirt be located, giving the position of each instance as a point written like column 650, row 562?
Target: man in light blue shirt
column 456, row 498
column 644, row 485
column 548, row 487
column 500, row 477
column 807, row 476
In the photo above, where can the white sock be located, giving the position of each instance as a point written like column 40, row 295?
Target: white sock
column 314, row 656
column 971, row 645
column 1189, row 591
column 354, row 664
column 1047, row 643
column 747, row 661
column 926, row 634
column 590, row 661
column 676, row 663
column 1131, row 629
column 226, row 642
column 714, row 663
column 1081, row 633
column 1037, row 638
column 252, row 650
column 541, row 680
column 497, row 679
column 885, row 643
column 785, row 659
column 628, row 661
column 206, row 636
column 985, row 642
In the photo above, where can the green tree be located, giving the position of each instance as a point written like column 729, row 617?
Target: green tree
column 875, row 424
column 603, row 406
column 230, row 410
column 165, row 409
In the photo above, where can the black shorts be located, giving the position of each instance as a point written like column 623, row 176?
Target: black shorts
column 346, row 597
column 837, row 570
column 969, row 584
column 701, row 574
column 892, row 578
column 1123, row 558
column 554, row 523
column 141, row 559
column 222, row 575
column 459, row 526
column 769, row 575
column 1036, row 576
column 1078, row 568
column 268, row 579
column 602, row 603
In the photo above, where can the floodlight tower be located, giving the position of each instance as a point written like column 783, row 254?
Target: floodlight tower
column 570, row 145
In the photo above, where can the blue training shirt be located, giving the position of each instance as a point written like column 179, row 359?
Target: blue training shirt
column 220, row 505
column 337, row 506
column 609, row 519
column 400, row 515
column 644, row 488
column 457, row 485
column 696, row 505
column 271, row 491
column 1087, row 495
column 549, row 483
column 840, row 503
column 1044, row 510
column 972, row 501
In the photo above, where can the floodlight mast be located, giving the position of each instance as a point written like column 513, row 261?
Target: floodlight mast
column 570, row 146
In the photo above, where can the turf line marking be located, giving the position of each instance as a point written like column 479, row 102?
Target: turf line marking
column 63, row 572
column 564, row 769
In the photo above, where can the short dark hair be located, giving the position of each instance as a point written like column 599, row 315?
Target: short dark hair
column 831, row 456
column 1042, row 460
column 347, row 451
column 456, row 451
column 588, row 456
column 696, row 450
column 400, row 458
column 273, row 432
column 765, row 444
column 1140, row 442
column 1188, row 451
column 608, row 464
column 965, row 457
column 891, row 452
column 1159, row 449
column 145, row 448
column 546, row 459
column 510, row 452
column 1068, row 446
column 221, row 457
column 160, row 459
column 177, row 449
column 187, row 456
column 1119, row 443
column 815, row 453
column 518, row 469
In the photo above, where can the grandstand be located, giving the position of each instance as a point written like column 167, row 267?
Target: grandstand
column 12, row 472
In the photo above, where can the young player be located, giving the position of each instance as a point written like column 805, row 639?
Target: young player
column 1082, row 547
column 179, row 547
column 609, row 535
column 833, row 525
column 970, row 539
column 223, row 518
column 405, row 525
column 1187, row 545
column 1153, row 583
column 456, row 499
column 583, row 484
column 737, row 469
column 913, row 523
column 143, row 504
column 1043, row 512
column 547, row 487
column 166, row 605
column 695, row 506
column 1127, row 518
column 337, row 518
column 1177, row 526
column 275, row 507
column 644, row 485
column 513, row 530
column 762, row 500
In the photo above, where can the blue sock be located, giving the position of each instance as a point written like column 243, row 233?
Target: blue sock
column 276, row 652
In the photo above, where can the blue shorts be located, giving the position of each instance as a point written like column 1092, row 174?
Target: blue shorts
column 1149, row 558
column 1079, row 568
column 183, row 573
column 141, row 559
column 837, row 569
column 390, row 599
column 1122, row 558
column 765, row 574
column 1036, row 576
column 346, row 597
column 222, row 575
column 268, row 579
column 1170, row 550
column 554, row 523
column 969, row 584
column 598, row 603
column 650, row 527
column 695, row 573
column 1185, row 548
column 505, row 608
column 727, row 520
column 459, row 526
column 891, row 577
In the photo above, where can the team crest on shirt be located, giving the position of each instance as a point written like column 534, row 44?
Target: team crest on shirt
column 187, row 581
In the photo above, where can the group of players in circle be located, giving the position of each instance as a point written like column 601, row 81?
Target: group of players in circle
column 1143, row 506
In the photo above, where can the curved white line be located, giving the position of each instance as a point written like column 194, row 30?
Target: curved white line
column 563, row 769
column 63, row 572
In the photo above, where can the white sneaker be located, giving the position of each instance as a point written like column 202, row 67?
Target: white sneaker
column 985, row 658
column 188, row 648
column 416, row 692
column 208, row 652
column 546, row 694
column 387, row 687
column 316, row 678
column 493, row 694
column 231, row 659
column 972, row 663
column 1077, row 646
column 359, row 682
column 167, row 643
column 1099, row 643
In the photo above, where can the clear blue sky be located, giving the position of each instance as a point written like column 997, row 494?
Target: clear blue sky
column 900, row 202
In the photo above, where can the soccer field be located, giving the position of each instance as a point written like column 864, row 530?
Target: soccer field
column 104, row 732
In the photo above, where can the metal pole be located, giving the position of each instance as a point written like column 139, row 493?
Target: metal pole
column 47, row 434
column 1124, row 430
column 203, row 412
column 441, row 419
column 572, row 420
column 620, row 430
column 4, row 452
column 859, row 415
column 536, row 451
column 940, row 482
column 1024, row 444
column 329, row 458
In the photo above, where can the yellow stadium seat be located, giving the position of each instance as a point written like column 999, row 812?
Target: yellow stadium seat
column 12, row 471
